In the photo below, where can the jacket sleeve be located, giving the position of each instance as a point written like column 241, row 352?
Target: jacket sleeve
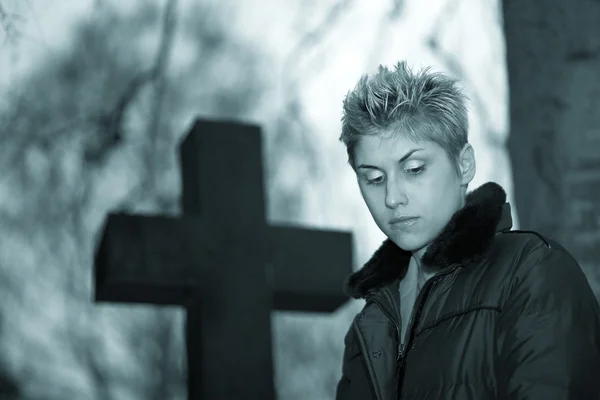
column 343, row 387
column 354, row 383
column 549, row 331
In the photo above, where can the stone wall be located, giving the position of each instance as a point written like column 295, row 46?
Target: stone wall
column 553, row 61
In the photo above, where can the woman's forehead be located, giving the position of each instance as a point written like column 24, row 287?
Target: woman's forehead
column 391, row 144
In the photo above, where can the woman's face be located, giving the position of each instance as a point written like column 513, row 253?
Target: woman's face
column 412, row 189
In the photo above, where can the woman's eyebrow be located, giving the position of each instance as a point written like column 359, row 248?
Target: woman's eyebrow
column 402, row 159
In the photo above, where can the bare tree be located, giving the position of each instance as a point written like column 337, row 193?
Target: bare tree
column 8, row 25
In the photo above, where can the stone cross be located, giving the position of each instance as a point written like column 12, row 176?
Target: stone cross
column 223, row 263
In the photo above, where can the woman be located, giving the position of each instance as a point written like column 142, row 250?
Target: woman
column 458, row 306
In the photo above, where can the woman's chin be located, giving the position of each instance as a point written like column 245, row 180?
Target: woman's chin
column 410, row 244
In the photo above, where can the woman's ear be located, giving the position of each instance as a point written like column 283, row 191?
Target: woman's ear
column 467, row 164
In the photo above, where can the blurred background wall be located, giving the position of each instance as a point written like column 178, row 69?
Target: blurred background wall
column 553, row 62
column 96, row 94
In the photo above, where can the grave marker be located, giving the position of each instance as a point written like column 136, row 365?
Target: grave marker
column 223, row 263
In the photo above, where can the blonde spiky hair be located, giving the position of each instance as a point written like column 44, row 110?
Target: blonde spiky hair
column 423, row 106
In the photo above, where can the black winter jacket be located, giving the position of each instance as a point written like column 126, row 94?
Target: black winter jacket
column 509, row 315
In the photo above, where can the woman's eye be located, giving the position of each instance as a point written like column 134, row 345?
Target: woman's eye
column 415, row 170
column 374, row 180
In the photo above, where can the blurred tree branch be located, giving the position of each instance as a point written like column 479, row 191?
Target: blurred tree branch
column 7, row 24
column 159, row 71
column 396, row 11
column 455, row 68
column 300, row 63
column 111, row 123
column 315, row 36
column 156, row 76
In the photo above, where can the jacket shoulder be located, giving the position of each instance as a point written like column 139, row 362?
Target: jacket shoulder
column 535, row 258
column 529, row 253
column 532, row 241
column 527, row 237
column 522, row 242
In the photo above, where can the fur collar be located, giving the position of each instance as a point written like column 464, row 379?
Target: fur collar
column 464, row 240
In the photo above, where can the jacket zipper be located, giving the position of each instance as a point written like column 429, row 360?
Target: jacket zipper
column 414, row 316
